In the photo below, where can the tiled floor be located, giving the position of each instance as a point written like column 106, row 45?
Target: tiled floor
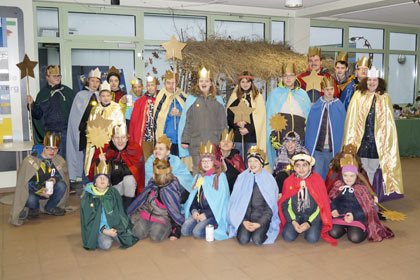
column 50, row 248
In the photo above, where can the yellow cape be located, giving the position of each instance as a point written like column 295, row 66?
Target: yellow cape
column 259, row 117
column 163, row 113
column 112, row 112
column 386, row 137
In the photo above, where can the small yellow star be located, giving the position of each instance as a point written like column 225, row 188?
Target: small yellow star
column 313, row 81
column 173, row 48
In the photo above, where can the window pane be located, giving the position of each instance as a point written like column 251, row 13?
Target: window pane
column 47, row 22
column 401, row 84
column 326, row 37
column 48, row 54
column 364, row 36
column 155, row 63
column 101, row 24
column 277, row 31
column 239, row 30
column 378, row 60
column 162, row 27
column 402, row 41
column 85, row 60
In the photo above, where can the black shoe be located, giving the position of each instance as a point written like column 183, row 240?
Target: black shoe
column 381, row 216
column 33, row 214
column 56, row 211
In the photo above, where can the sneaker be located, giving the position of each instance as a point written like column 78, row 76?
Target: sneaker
column 33, row 214
column 56, row 211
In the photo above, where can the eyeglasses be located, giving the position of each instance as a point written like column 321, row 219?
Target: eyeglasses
column 289, row 76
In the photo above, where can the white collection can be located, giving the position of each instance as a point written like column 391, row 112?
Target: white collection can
column 129, row 100
column 209, row 233
column 49, row 185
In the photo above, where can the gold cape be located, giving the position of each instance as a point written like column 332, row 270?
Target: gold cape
column 163, row 113
column 386, row 137
column 259, row 117
column 112, row 112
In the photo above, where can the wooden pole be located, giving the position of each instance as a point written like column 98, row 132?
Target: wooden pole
column 30, row 108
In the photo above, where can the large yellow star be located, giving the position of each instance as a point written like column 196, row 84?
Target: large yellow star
column 313, row 81
column 278, row 122
column 98, row 132
column 27, row 67
column 173, row 48
column 242, row 112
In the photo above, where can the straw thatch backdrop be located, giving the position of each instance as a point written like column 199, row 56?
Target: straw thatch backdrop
column 231, row 58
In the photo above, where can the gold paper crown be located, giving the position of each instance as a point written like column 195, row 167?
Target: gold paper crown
column 55, row 70
column 328, row 82
column 348, row 160
column 105, row 86
column 151, row 79
column 204, row 73
column 256, row 150
column 289, row 67
column 113, row 70
column 207, row 149
column 343, row 57
column 227, row 136
column 95, row 73
column 164, row 140
column 136, row 81
column 314, row 51
column 119, row 129
column 52, row 139
column 364, row 62
column 349, row 149
column 169, row 75
column 161, row 171
column 102, row 168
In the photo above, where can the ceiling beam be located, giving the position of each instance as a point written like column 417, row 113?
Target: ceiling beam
column 344, row 6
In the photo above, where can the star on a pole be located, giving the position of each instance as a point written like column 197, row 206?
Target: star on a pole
column 98, row 132
column 173, row 48
column 242, row 112
column 27, row 67
column 278, row 122
column 313, row 81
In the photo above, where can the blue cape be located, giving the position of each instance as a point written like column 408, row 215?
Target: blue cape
column 275, row 101
column 347, row 93
column 190, row 101
column 218, row 201
column 241, row 195
column 336, row 118
column 179, row 170
column 170, row 196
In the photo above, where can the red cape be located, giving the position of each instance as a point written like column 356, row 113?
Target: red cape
column 236, row 161
column 333, row 177
column 118, row 95
column 376, row 231
column 132, row 155
column 316, row 188
column 307, row 73
column 138, row 119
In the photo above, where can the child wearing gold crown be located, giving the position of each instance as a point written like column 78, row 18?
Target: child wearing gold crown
column 252, row 209
column 304, row 206
column 102, row 214
column 107, row 109
column 324, row 127
column 157, row 211
column 208, row 200
column 253, row 133
column 203, row 118
column 42, row 181
column 233, row 164
column 353, row 208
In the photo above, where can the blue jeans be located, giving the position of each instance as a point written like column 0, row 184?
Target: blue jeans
column 59, row 190
column 322, row 162
column 104, row 241
column 198, row 229
column 247, row 146
column 311, row 235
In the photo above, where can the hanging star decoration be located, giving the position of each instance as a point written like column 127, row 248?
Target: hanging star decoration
column 98, row 131
column 278, row 122
column 27, row 67
column 242, row 112
column 313, row 81
column 173, row 48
